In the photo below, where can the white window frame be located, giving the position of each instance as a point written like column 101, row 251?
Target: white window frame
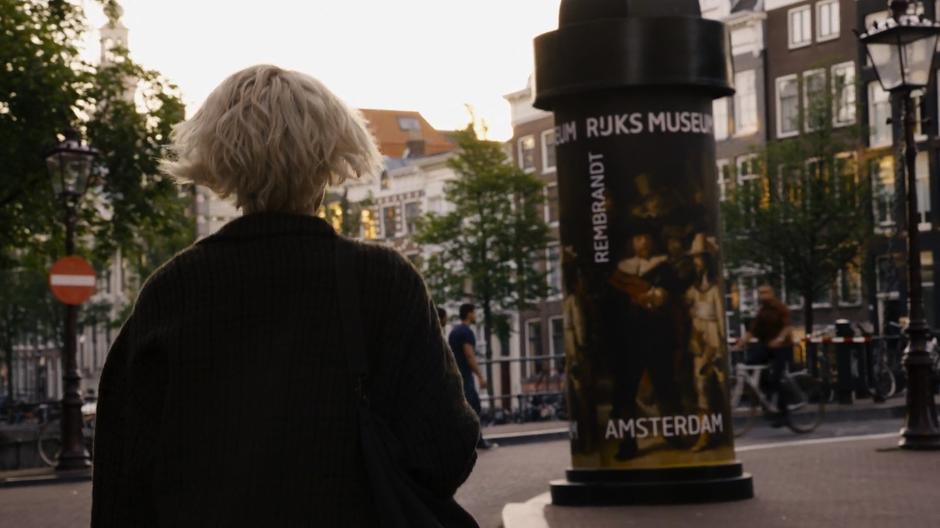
column 778, row 83
column 872, row 125
column 744, row 129
column 385, row 232
column 805, row 110
column 556, row 361
column 838, row 21
column 548, row 206
column 722, row 130
column 721, row 165
column 553, row 295
column 527, row 356
column 546, row 168
column 841, row 301
column 737, row 166
column 520, row 150
column 806, row 27
column 404, row 211
column 844, row 66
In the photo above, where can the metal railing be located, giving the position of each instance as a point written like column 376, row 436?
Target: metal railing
column 540, row 381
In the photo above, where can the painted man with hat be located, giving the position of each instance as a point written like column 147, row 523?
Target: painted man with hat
column 707, row 311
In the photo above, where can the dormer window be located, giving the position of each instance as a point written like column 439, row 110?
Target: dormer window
column 409, row 124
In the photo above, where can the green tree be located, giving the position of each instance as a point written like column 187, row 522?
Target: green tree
column 124, row 110
column 489, row 246
column 806, row 215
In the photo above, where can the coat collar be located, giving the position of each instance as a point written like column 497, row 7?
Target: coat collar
column 270, row 223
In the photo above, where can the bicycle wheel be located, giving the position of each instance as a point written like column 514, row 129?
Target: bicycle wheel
column 885, row 386
column 745, row 406
column 49, row 443
column 806, row 404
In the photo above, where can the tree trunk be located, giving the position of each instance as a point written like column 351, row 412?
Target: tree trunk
column 808, row 311
column 488, row 346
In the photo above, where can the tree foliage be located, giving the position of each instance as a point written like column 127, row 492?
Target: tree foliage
column 806, row 216
column 122, row 109
column 490, row 246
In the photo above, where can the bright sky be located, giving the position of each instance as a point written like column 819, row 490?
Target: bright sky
column 433, row 56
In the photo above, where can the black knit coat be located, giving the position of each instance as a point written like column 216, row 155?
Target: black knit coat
column 226, row 399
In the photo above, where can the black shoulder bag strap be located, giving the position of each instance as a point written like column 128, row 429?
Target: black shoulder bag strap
column 396, row 496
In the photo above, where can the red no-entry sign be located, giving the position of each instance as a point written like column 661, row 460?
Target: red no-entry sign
column 72, row 280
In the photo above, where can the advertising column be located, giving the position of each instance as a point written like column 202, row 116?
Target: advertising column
column 631, row 84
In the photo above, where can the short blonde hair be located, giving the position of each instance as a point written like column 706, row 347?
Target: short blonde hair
column 275, row 139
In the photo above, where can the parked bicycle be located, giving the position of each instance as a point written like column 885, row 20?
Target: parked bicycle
column 49, row 439
column 806, row 396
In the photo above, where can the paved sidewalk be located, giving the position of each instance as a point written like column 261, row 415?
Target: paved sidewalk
column 831, row 483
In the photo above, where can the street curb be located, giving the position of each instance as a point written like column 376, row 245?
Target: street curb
column 46, row 478
column 528, row 437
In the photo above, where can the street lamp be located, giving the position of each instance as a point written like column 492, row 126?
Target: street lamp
column 71, row 167
column 902, row 50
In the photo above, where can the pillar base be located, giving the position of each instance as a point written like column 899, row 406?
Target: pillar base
column 722, row 483
column 919, row 441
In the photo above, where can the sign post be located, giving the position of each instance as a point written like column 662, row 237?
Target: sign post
column 72, row 281
column 631, row 84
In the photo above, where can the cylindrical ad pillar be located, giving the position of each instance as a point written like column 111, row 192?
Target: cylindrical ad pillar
column 631, row 84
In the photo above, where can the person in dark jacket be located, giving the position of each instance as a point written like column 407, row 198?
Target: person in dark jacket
column 226, row 399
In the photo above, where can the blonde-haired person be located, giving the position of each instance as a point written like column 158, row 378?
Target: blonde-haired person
column 227, row 400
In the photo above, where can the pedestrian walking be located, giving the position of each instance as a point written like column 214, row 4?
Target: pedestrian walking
column 463, row 344
column 362, row 403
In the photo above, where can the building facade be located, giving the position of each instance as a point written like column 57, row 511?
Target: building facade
column 541, row 329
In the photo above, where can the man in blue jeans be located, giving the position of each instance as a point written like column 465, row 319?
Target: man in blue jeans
column 463, row 343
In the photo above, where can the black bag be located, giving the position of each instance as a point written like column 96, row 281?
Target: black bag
column 400, row 502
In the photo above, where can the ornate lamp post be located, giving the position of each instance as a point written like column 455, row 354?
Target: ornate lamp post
column 902, row 50
column 71, row 167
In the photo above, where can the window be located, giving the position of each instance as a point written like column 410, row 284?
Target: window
column 412, row 215
column 788, row 106
column 850, row 286
column 747, row 289
column 557, row 327
column 720, row 112
column 843, row 94
column 888, row 270
column 409, row 124
column 883, row 190
column 745, row 103
column 551, row 203
column 724, row 179
column 918, row 96
column 879, row 112
column 390, row 221
column 369, row 223
column 533, row 349
column 814, row 101
column 923, row 191
column 747, row 168
column 548, row 151
column 791, row 294
column 554, row 270
column 827, row 20
column 527, row 153
column 801, row 28
column 926, row 265
column 823, row 298
column 748, row 175
column 743, row 39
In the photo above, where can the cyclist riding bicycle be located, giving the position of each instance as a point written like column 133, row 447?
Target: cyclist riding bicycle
column 772, row 330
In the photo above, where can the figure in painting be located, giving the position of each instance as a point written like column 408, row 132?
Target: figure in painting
column 706, row 308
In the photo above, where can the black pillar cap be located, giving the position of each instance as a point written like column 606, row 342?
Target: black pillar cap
column 611, row 44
